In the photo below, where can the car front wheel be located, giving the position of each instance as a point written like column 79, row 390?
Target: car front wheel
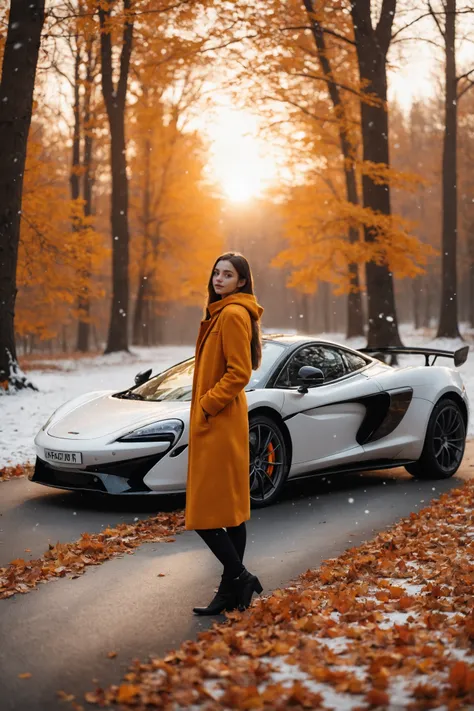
column 268, row 460
column 444, row 443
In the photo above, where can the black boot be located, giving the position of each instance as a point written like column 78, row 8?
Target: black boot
column 224, row 599
column 245, row 585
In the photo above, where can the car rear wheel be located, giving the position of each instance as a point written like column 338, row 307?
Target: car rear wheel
column 444, row 443
column 268, row 460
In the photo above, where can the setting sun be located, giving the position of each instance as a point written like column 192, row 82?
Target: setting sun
column 242, row 181
column 240, row 160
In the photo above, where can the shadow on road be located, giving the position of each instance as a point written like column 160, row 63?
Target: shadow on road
column 300, row 489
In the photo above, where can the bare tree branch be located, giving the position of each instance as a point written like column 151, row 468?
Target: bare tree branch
column 465, row 75
column 326, row 31
column 470, row 84
column 434, row 15
column 418, row 39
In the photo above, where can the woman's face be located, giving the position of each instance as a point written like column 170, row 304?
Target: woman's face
column 225, row 279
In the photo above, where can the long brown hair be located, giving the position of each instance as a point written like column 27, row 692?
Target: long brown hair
column 242, row 268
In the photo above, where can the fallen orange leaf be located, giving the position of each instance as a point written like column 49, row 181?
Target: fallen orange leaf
column 65, row 696
column 375, row 697
column 126, row 692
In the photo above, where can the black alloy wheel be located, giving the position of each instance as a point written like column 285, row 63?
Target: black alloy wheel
column 444, row 444
column 268, row 460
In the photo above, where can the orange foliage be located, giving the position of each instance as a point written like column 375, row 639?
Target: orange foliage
column 319, row 212
column 316, row 225
column 51, row 255
column 181, row 236
column 175, row 211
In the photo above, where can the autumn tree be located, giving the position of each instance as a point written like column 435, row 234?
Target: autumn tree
column 355, row 320
column 448, row 321
column 115, row 97
column 415, row 146
column 83, row 46
column 176, row 215
column 307, row 81
column 16, row 103
column 52, row 258
column 302, row 78
column 466, row 204
column 372, row 45
column 84, row 298
column 175, row 25
column 445, row 16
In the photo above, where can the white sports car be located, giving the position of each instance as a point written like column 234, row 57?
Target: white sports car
column 315, row 407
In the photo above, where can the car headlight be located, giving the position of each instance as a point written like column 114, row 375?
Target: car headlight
column 162, row 431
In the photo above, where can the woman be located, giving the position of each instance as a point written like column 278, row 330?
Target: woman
column 218, row 488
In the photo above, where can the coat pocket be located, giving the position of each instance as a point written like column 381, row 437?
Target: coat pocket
column 204, row 417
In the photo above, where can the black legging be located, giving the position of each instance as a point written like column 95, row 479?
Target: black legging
column 228, row 545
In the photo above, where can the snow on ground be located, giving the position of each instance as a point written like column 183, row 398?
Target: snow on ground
column 23, row 414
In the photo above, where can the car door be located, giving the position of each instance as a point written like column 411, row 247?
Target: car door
column 324, row 422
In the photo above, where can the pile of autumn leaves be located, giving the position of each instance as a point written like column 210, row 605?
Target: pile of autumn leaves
column 15, row 472
column 72, row 559
column 389, row 625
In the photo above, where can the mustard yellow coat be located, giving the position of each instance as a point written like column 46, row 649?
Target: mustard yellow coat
column 218, row 489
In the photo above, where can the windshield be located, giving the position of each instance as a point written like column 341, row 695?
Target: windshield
column 176, row 383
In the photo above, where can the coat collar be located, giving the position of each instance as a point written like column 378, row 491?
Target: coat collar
column 215, row 309
column 248, row 301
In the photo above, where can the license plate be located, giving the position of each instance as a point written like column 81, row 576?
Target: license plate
column 63, row 457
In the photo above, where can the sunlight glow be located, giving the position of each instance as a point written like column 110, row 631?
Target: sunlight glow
column 241, row 162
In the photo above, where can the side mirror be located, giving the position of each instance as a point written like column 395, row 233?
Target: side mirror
column 309, row 377
column 142, row 377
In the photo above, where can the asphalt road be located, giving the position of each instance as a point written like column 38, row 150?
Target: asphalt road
column 62, row 632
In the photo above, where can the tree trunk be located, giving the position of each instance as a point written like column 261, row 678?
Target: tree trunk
column 118, row 330
column 141, row 319
column 416, row 301
column 138, row 315
column 115, row 102
column 372, row 47
column 355, row 311
column 84, row 301
column 355, row 316
column 75, row 179
column 426, row 315
column 64, row 340
column 471, row 294
column 326, row 306
column 141, row 326
column 470, row 277
column 303, row 323
column 16, row 104
column 448, row 321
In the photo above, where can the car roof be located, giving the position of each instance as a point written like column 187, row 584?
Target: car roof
column 292, row 340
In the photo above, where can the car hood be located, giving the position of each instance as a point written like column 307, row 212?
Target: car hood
column 108, row 415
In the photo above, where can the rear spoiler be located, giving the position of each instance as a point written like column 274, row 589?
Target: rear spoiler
column 459, row 356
